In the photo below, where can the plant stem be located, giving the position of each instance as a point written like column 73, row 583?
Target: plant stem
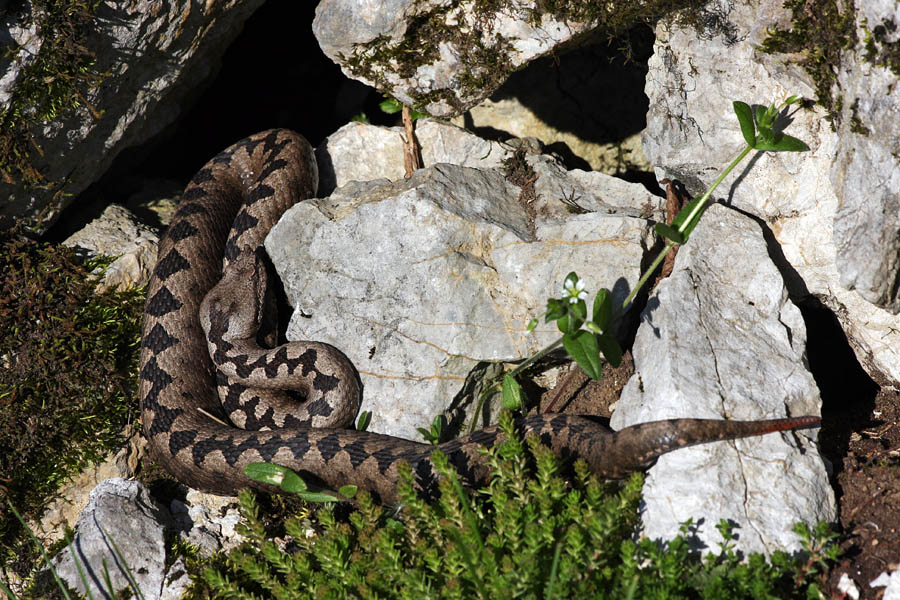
column 697, row 210
column 541, row 354
column 700, row 205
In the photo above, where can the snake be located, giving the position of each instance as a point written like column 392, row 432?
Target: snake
column 210, row 363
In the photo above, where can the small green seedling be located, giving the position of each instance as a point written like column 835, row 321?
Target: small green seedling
column 433, row 434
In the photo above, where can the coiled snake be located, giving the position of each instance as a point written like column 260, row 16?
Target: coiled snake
column 225, row 213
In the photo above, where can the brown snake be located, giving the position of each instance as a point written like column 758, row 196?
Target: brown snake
column 225, row 213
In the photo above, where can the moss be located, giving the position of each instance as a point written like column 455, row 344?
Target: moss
column 881, row 52
column 820, row 33
column 50, row 87
column 484, row 55
column 856, row 124
column 69, row 371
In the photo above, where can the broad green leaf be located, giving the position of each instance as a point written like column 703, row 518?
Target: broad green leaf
column 611, row 350
column 602, row 309
column 766, row 137
column 437, row 425
column 582, row 347
column 792, row 99
column 531, row 325
column 785, row 143
column 365, row 417
column 512, row 393
column 593, row 327
column 745, row 118
column 274, row 474
column 667, row 232
column 348, row 491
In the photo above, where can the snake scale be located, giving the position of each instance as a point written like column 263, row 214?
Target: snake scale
column 203, row 392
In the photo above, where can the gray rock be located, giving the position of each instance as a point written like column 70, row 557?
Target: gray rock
column 120, row 513
column 443, row 57
column 804, row 198
column 721, row 339
column 360, row 152
column 866, row 171
column 419, row 281
column 26, row 38
column 155, row 55
column 117, row 233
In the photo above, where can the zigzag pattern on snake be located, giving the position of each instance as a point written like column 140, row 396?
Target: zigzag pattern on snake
column 225, row 213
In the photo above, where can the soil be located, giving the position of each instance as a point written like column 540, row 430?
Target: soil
column 860, row 435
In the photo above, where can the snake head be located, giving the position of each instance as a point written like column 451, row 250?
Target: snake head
column 233, row 309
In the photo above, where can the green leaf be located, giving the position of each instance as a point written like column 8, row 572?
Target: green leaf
column 512, row 393
column 390, row 106
column 563, row 323
column 276, row 475
column 318, row 497
column 766, row 138
column 531, row 325
column 593, row 327
column 365, row 417
column 682, row 216
column 610, row 348
column 579, row 311
column 348, row 491
column 784, row 143
column 667, row 232
column 792, row 99
column 582, row 347
column 745, row 118
column 556, row 308
column 760, row 116
column 601, row 312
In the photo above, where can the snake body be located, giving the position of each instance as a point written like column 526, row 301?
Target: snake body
column 225, row 213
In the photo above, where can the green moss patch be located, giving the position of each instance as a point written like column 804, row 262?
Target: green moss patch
column 68, row 372
column 820, row 33
column 51, row 86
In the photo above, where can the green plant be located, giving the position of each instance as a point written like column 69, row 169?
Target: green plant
column 585, row 340
column 531, row 533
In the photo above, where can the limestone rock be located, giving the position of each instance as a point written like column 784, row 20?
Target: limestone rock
column 442, row 57
column 123, row 514
column 117, row 233
column 833, row 210
column 155, row 54
column 419, row 281
column 721, row 339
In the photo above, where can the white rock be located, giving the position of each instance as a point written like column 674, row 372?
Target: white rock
column 123, row 514
column 891, row 583
column 720, row 339
column 154, row 53
column 418, row 281
column 117, row 233
column 805, row 198
column 446, row 58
